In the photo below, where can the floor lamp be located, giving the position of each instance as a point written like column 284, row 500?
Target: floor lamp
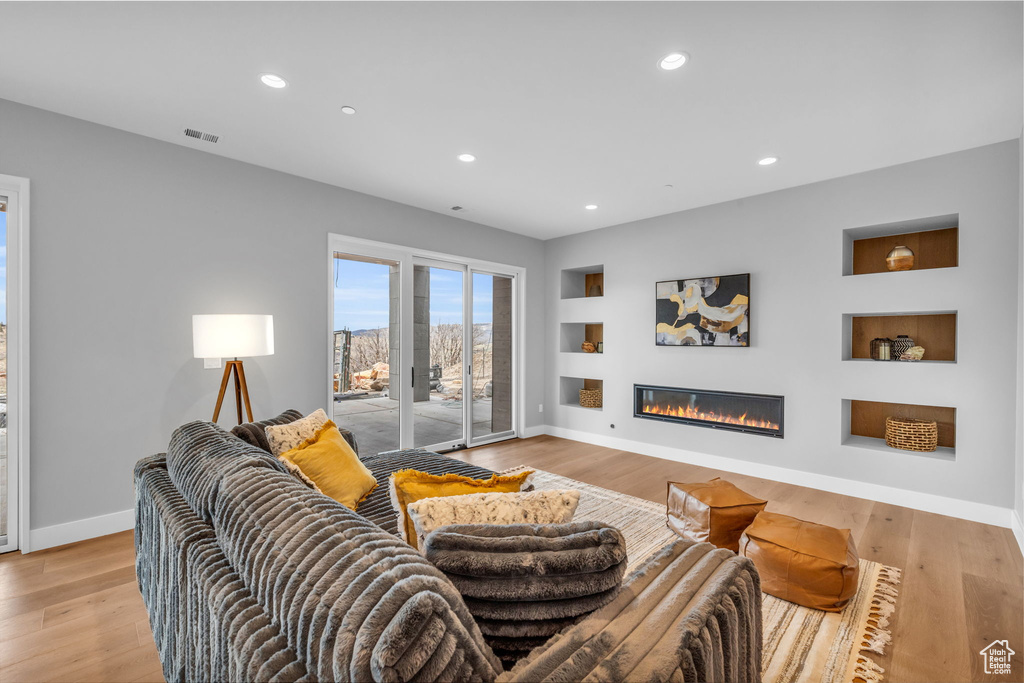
column 233, row 336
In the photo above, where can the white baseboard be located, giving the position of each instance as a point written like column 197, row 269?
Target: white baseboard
column 953, row 507
column 80, row 530
column 1018, row 530
column 536, row 430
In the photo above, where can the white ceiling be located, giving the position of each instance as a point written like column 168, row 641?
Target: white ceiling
column 562, row 103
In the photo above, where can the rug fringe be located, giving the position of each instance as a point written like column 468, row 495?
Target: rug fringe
column 868, row 670
column 876, row 634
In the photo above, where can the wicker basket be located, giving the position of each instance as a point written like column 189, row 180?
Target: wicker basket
column 590, row 398
column 909, row 434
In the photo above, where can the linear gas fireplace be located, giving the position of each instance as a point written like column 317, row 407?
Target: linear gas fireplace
column 751, row 413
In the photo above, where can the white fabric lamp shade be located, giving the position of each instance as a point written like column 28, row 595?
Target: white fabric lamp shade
column 232, row 336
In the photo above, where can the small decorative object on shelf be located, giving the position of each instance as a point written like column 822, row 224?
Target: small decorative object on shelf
column 900, row 345
column 595, row 290
column 914, row 353
column 900, row 258
column 588, row 347
column 600, row 347
column 591, row 398
column 881, row 348
column 910, row 434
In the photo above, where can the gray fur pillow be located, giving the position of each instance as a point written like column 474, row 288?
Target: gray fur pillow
column 525, row 582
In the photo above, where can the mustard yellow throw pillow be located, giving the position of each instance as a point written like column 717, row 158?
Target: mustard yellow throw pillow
column 328, row 460
column 408, row 486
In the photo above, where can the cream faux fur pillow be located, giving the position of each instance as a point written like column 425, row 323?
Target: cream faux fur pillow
column 287, row 436
column 551, row 506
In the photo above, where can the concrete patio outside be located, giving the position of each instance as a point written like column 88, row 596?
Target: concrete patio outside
column 374, row 421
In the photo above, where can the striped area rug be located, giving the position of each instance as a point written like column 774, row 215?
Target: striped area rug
column 801, row 645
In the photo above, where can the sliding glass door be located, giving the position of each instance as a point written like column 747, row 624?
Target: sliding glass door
column 8, row 488
column 491, row 407
column 13, row 366
column 450, row 326
column 365, row 344
column 437, row 354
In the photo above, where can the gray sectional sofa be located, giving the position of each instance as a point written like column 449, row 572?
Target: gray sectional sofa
column 247, row 574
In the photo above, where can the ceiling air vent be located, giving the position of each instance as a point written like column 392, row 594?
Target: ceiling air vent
column 200, row 135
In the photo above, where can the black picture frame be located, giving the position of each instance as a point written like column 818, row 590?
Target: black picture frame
column 678, row 317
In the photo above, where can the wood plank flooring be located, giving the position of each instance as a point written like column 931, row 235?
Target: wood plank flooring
column 74, row 613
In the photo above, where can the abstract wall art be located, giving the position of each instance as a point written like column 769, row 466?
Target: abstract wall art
column 706, row 311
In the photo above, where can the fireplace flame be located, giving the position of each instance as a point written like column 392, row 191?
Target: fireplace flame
column 693, row 413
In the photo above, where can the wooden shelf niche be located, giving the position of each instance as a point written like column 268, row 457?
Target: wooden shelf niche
column 934, row 241
column 583, row 283
column 574, row 334
column 569, row 390
column 934, row 330
column 865, row 425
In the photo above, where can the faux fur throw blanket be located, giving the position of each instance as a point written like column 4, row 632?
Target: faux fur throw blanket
column 525, row 582
column 555, row 506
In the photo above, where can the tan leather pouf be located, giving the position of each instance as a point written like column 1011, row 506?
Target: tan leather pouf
column 810, row 564
column 714, row 511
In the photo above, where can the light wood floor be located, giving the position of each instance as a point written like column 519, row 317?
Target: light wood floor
column 74, row 613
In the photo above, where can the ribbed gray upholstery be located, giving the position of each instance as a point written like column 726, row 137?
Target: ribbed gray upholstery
column 206, row 623
column 250, row 576
column 690, row 613
column 201, row 454
column 284, row 583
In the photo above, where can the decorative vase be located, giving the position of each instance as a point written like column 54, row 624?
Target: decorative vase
column 595, row 290
column 881, row 348
column 901, row 345
column 900, row 258
column 588, row 347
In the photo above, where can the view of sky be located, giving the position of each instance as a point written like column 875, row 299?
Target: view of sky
column 361, row 296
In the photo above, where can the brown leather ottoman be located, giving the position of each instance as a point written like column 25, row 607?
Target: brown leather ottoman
column 810, row 564
column 714, row 511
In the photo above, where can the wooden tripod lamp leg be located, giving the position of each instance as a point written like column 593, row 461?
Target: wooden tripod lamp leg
column 245, row 394
column 223, row 387
column 238, row 391
column 234, row 369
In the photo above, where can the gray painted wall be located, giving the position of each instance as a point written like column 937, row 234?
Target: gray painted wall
column 1019, row 477
column 130, row 237
column 791, row 244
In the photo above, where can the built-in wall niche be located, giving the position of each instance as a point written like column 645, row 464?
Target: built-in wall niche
column 934, row 241
column 574, row 334
column 585, row 282
column 569, row 390
column 864, row 425
column 933, row 330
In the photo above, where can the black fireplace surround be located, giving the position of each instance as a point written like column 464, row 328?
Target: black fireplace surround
column 750, row 413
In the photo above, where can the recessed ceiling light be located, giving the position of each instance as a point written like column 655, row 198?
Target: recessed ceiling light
column 273, row 81
column 590, row 207
column 669, row 187
column 348, row 110
column 673, row 61
column 467, row 158
column 768, row 161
